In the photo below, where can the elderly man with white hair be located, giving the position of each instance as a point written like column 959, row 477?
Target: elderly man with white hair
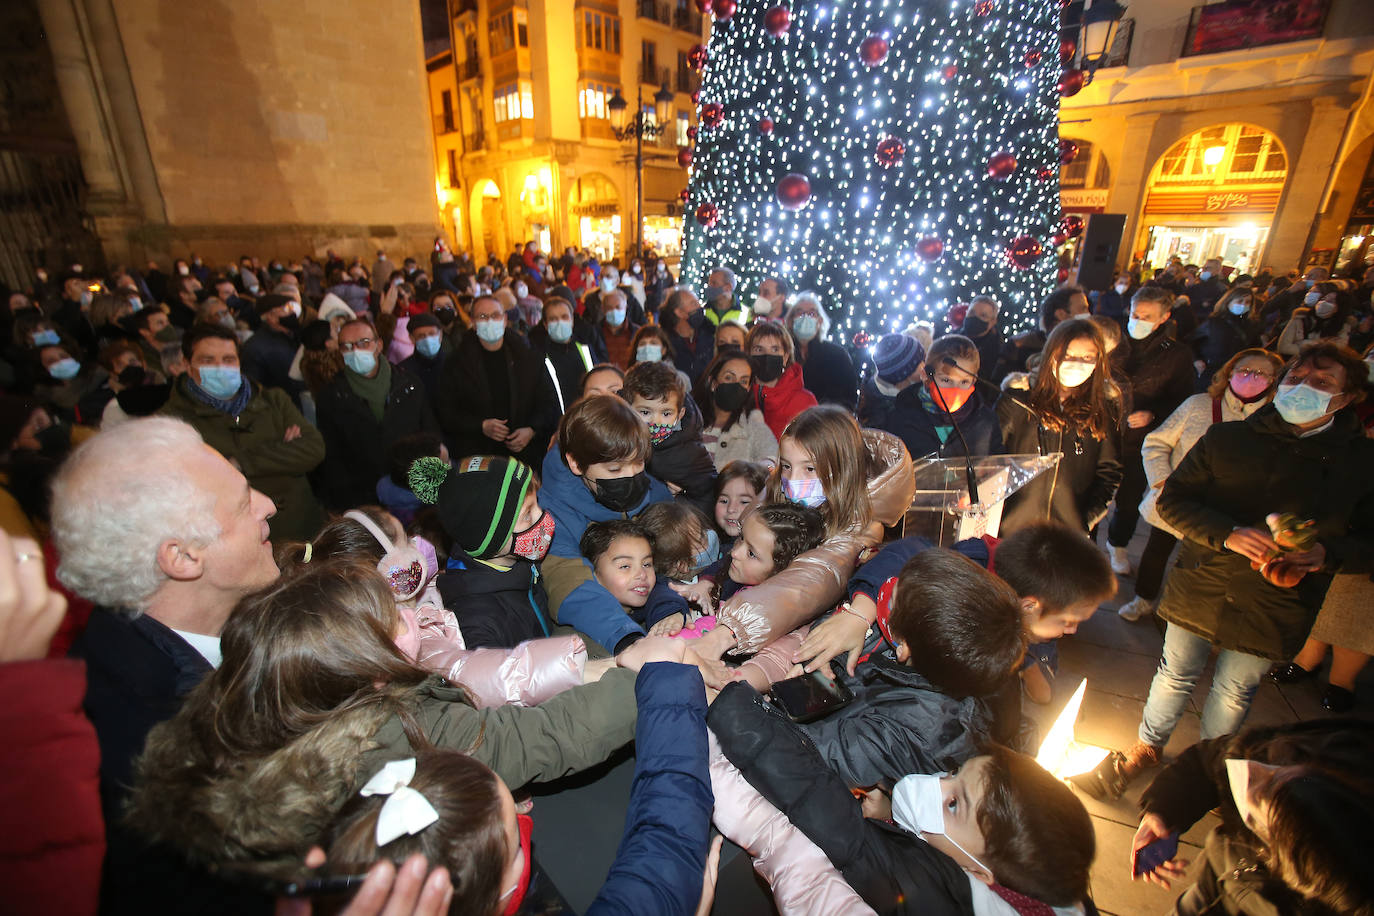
column 164, row 536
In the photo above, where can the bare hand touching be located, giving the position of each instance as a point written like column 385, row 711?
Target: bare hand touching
column 495, row 429
column 668, row 626
column 1152, row 827
column 652, row 649
column 388, row 891
column 1252, row 543
column 517, row 440
column 843, row 632
column 293, row 432
column 698, row 593
column 30, row 612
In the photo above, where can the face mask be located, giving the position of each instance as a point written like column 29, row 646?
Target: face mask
column 521, row 291
column 363, row 362
column 1121, row 288
column 886, row 390
column 1312, row 298
column 608, row 284
column 762, row 306
column 489, row 331
column 226, row 321
column 1139, row 329
column 169, row 334
column 1248, row 387
column 64, row 368
column 1238, row 308
column 409, row 641
column 615, row 317
column 709, row 555
column 290, row 321
column 1238, row 774
column 697, row 320
column 974, row 326
column 622, row 494
column 767, row 367
column 662, row 268
column 46, row 338
column 54, row 439
column 659, row 432
column 634, row 269
column 1301, row 404
column 1325, row 309
column 918, row 805
column 251, row 283
column 805, row 327
column 648, row 353
column 132, row 376
column 136, row 303
column 954, row 398
column 804, row 492
column 220, row 382
column 85, row 298
column 1205, row 275
column 533, row 543
column 428, row 346
column 713, row 293
column 1071, row 375
column 522, row 884
column 730, row 396
column 183, row 269
column 445, row 314
column 559, row 331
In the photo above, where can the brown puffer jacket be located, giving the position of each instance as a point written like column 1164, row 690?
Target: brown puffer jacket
column 815, row 581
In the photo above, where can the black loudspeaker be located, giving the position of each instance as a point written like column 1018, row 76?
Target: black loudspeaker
column 1097, row 256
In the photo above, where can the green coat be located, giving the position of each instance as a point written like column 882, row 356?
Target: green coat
column 575, row 730
column 256, row 440
column 1234, row 476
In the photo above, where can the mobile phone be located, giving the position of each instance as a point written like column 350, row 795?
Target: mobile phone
column 1150, row 857
column 288, row 879
column 809, row 697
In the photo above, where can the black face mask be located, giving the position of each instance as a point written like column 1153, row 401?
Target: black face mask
column 767, row 367
column 622, row 494
column 730, row 396
column 291, row 322
column 974, row 326
column 132, row 375
column 445, row 315
column 697, row 320
column 54, row 440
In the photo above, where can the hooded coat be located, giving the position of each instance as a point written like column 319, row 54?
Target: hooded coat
column 682, row 460
column 784, row 400
column 500, row 608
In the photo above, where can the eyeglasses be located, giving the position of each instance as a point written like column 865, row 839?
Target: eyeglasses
column 364, row 343
column 1253, row 373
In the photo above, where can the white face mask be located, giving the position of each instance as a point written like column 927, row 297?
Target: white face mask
column 763, row 306
column 1240, row 773
column 1071, row 375
column 1122, row 287
column 1205, row 275
column 607, row 284
column 1238, row 308
column 1311, row 298
column 886, row 390
column 1139, row 329
column 918, row 806
column 521, row 291
column 1301, row 404
column 806, row 327
column 1325, row 309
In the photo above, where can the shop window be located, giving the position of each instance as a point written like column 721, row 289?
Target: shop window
column 1078, row 173
column 1236, row 152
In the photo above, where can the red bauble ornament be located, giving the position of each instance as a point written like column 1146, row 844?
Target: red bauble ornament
column 777, row 21
column 889, row 151
column 956, row 314
column 950, row 71
column 682, row 195
column 982, row 8
column 1070, row 82
column 1068, row 151
column 1001, row 165
column 1045, row 174
column 684, row 156
column 1058, row 239
column 765, row 126
column 1071, row 225
column 696, row 57
column 703, row 6
column 794, row 191
column 1024, row 251
column 1032, row 58
column 707, row 214
column 696, row 96
column 1067, row 49
column 930, row 248
column 723, row 9
column 712, row 113
column 863, row 340
column 873, row 50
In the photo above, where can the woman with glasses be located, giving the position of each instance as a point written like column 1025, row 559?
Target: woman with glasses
column 1073, row 408
column 1243, row 385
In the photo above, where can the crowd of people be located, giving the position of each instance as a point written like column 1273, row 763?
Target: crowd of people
column 311, row 570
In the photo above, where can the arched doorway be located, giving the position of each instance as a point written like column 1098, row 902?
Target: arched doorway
column 488, row 220
column 1213, row 194
column 594, row 204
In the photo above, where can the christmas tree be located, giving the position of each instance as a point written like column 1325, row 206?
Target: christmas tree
column 895, row 157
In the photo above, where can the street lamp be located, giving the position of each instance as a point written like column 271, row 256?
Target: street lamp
column 640, row 127
column 1095, row 22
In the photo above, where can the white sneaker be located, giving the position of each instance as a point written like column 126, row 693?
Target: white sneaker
column 1121, row 564
column 1136, row 608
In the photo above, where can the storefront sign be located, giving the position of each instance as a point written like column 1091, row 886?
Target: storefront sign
column 1084, row 200
column 596, row 208
column 1246, row 24
column 1215, row 203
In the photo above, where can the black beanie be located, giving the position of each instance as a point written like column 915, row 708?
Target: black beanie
column 478, row 499
column 423, row 320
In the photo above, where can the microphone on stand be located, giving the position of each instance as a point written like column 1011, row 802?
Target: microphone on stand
column 968, row 456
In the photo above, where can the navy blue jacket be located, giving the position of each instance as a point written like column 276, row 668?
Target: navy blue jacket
column 915, row 426
column 683, row 460
column 663, row 602
column 266, row 358
column 496, row 608
column 662, row 854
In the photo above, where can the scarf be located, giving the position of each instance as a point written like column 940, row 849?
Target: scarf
column 233, row 407
column 942, row 430
column 372, row 390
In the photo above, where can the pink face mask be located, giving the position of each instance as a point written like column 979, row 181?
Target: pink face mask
column 1248, row 387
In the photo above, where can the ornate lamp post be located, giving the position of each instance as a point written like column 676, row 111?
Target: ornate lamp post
column 640, row 127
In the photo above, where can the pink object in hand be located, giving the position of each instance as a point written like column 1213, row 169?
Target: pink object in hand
column 697, row 628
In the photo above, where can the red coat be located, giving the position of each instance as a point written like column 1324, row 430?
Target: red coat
column 784, row 400
column 54, row 837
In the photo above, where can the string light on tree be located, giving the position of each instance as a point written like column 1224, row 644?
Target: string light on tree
column 894, row 157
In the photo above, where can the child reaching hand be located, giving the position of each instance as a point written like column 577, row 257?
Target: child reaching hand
column 686, row 552
column 622, row 556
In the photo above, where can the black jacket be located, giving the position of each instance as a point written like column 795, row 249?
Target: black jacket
column 466, row 400
column 266, row 359
column 1077, row 491
column 892, row 870
column 989, row 348
column 1204, row 294
column 1161, row 373
column 682, row 460
column 430, row 371
column 828, row 373
column 914, row 425
column 356, row 445
column 496, row 608
column 1016, row 352
column 571, row 361
column 1234, row 476
column 692, row 357
column 1221, row 337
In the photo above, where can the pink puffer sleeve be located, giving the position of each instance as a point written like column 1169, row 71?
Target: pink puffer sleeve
column 804, row 882
column 816, row 580
column 526, row 675
column 772, row 662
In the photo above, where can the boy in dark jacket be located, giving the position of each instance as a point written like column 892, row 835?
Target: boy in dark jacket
column 924, row 415
column 622, row 556
column 657, row 393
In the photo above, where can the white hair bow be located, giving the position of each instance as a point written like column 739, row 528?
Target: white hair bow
column 406, row 811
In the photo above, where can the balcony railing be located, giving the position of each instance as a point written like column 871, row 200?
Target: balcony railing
column 1233, row 26
column 443, row 124
column 1119, row 54
column 687, row 20
column 670, row 14
column 657, row 11
column 687, row 80
column 652, row 74
column 469, row 69
column 474, row 142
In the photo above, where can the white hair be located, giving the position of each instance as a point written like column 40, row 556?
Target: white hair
column 729, row 275
column 989, row 299
column 807, row 295
column 117, row 499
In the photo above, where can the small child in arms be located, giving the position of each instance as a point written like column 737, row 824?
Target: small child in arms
column 621, row 553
